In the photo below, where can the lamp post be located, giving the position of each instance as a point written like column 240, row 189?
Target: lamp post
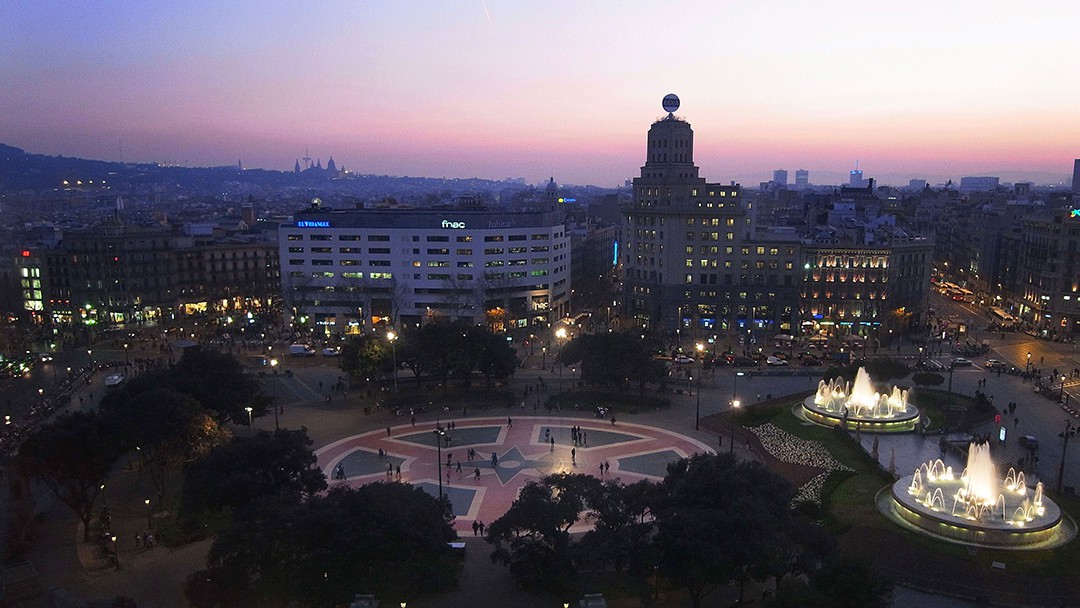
column 439, row 432
column 697, row 410
column 543, row 361
column 560, row 334
column 90, row 356
column 127, row 359
column 149, row 521
column 1070, row 431
column 104, row 502
column 1027, row 368
column 115, row 551
column 920, row 356
column 734, row 406
column 951, row 369
column 273, row 402
column 392, row 337
column 1061, row 393
column 248, row 410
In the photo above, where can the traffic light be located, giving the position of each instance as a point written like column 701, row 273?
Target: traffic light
column 997, row 418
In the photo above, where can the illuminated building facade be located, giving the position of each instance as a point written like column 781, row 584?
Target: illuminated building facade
column 347, row 270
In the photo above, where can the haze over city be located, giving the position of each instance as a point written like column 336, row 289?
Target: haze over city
column 500, row 89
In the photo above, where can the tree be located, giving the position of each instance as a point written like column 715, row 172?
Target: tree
column 612, row 359
column 723, row 520
column 840, row 583
column 621, row 538
column 72, row 456
column 388, row 538
column 533, row 537
column 235, row 474
column 367, row 356
column 169, row 428
column 927, row 379
column 215, row 380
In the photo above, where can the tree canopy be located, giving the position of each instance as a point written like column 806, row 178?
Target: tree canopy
column 443, row 350
column 389, row 539
column 613, row 359
column 233, row 475
column 72, row 456
column 215, row 380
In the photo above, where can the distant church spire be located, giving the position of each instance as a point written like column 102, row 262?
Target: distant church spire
column 331, row 167
column 296, row 169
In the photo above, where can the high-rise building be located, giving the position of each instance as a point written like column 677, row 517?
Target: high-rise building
column 855, row 179
column 802, row 178
column 916, row 184
column 1076, row 176
column 779, row 177
column 689, row 261
column 343, row 270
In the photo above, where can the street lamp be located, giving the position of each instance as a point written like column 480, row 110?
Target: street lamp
column 392, row 337
column 439, row 432
column 543, row 363
column 127, row 359
column 104, row 502
column 273, row 403
column 560, row 334
column 920, row 356
column 734, row 406
column 149, row 522
column 115, row 551
column 1028, row 366
column 90, row 356
column 1070, row 431
column 248, row 410
column 1061, row 394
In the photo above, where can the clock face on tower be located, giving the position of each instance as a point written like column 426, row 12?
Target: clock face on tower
column 671, row 102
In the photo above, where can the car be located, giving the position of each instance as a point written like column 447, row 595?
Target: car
column 45, row 357
column 301, row 350
column 683, row 359
column 960, row 362
column 743, row 362
column 1029, row 442
column 775, row 361
column 811, row 361
column 995, row 364
column 331, row 352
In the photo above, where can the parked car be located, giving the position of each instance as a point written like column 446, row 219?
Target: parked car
column 811, row 361
column 960, row 362
column 743, row 362
column 683, row 359
column 1029, row 442
column 775, row 361
column 331, row 352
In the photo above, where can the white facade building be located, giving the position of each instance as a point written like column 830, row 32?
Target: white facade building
column 345, row 270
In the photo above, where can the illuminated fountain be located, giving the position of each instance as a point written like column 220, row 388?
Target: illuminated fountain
column 859, row 406
column 977, row 506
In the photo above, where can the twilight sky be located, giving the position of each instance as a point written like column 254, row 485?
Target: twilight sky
column 523, row 88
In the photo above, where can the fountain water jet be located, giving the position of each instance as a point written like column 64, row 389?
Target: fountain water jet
column 981, row 505
column 858, row 406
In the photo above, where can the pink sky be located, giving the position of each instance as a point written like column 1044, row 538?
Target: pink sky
column 925, row 89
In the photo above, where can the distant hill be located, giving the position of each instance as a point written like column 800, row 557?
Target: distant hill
column 20, row 171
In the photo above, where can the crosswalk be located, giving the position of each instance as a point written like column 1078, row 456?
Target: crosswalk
column 288, row 389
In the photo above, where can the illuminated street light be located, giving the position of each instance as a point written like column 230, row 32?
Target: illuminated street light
column 392, row 337
column 149, row 522
column 273, row 403
column 248, row 410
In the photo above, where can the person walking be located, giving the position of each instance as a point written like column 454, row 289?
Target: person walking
column 475, row 528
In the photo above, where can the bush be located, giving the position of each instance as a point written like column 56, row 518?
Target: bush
column 928, row 379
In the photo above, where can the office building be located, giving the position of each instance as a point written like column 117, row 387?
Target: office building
column 802, row 179
column 779, row 177
column 1076, row 177
column 347, row 270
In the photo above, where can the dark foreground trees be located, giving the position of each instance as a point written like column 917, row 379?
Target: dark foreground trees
column 72, row 456
column 235, row 474
column 389, row 539
column 713, row 521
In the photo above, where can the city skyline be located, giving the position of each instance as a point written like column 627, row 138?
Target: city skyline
column 496, row 90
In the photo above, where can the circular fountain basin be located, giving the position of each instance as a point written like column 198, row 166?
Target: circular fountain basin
column 1050, row 529
column 898, row 422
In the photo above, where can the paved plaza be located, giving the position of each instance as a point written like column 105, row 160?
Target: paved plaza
column 508, row 454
